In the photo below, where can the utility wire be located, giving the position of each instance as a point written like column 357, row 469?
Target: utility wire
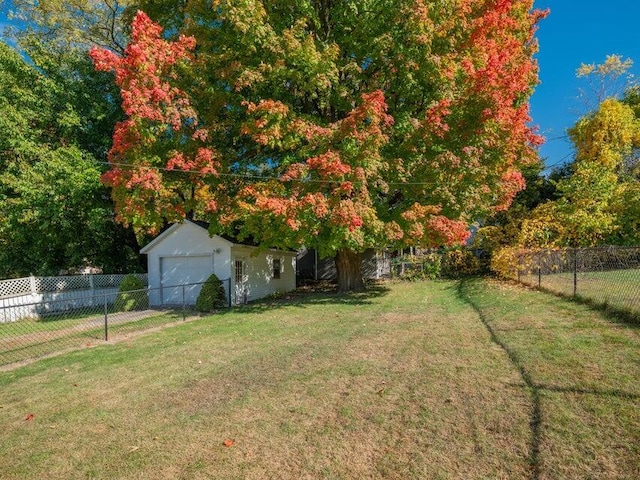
column 559, row 162
column 261, row 177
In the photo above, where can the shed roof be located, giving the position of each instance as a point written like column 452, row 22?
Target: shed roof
column 205, row 226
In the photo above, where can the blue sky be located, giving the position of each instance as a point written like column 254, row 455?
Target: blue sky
column 575, row 32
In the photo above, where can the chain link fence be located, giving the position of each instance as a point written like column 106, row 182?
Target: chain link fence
column 441, row 263
column 34, row 330
column 608, row 277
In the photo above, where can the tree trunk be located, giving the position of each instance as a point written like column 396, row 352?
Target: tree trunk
column 348, row 265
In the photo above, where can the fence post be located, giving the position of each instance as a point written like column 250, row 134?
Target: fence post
column 229, row 292
column 32, row 287
column 575, row 272
column 539, row 269
column 106, row 319
column 519, row 267
column 184, row 305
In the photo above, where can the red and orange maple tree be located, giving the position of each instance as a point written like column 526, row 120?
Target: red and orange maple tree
column 326, row 124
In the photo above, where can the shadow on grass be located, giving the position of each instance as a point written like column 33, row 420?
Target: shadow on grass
column 611, row 313
column 321, row 294
column 535, row 419
column 536, row 389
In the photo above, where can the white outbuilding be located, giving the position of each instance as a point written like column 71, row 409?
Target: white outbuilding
column 185, row 255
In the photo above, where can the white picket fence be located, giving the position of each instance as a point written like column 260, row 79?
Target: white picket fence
column 23, row 297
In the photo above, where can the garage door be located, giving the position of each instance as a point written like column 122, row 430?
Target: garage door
column 181, row 273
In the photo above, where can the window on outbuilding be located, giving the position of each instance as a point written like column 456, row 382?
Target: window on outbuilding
column 276, row 268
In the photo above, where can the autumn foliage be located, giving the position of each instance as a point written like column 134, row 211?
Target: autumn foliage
column 157, row 112
column 343, row 130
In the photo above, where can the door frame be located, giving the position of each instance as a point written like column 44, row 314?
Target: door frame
column 211, row 262
column 240, row 286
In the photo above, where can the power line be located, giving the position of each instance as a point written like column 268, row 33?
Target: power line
column 561, row 161
column 561, row 137
column 261, row 177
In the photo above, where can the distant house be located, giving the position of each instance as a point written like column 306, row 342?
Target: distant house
column 186, row 255
column 376, row 264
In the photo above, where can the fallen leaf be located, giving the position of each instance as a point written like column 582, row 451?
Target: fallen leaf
column 228, row 442
column 29, row 417
column 133, row 449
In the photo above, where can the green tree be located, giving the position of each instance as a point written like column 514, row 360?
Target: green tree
column 78, row 24
column 371, row 123
column 504, row 228
column 54, row 212
column 597, row 204
column 56, row 215
column 87, row 100
column 595, row 199
column 631, row 162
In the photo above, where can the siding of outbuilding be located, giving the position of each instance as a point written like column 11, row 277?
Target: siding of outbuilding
column 185, row 240
column 259, row 279
column 192, row 255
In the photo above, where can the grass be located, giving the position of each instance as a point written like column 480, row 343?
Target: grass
column 62, row 321
column 582, row 370
column 28, row 339
column 417, row 380
column 616, row 289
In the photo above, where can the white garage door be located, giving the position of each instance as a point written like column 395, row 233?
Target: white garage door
column 179, row 274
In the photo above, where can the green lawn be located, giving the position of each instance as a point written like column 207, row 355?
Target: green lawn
column 617, row 289
column 411, row 380
column 28, row 339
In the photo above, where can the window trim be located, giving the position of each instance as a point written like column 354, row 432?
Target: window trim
column 276, row 273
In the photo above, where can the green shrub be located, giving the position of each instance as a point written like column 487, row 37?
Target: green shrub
column 131, row 295
column 212, row 295
column 454, row 263
column 432, row 266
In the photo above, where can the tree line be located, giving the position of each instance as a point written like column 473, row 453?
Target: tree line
column 56, row 121
column 332, row 124
column 593, row 200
